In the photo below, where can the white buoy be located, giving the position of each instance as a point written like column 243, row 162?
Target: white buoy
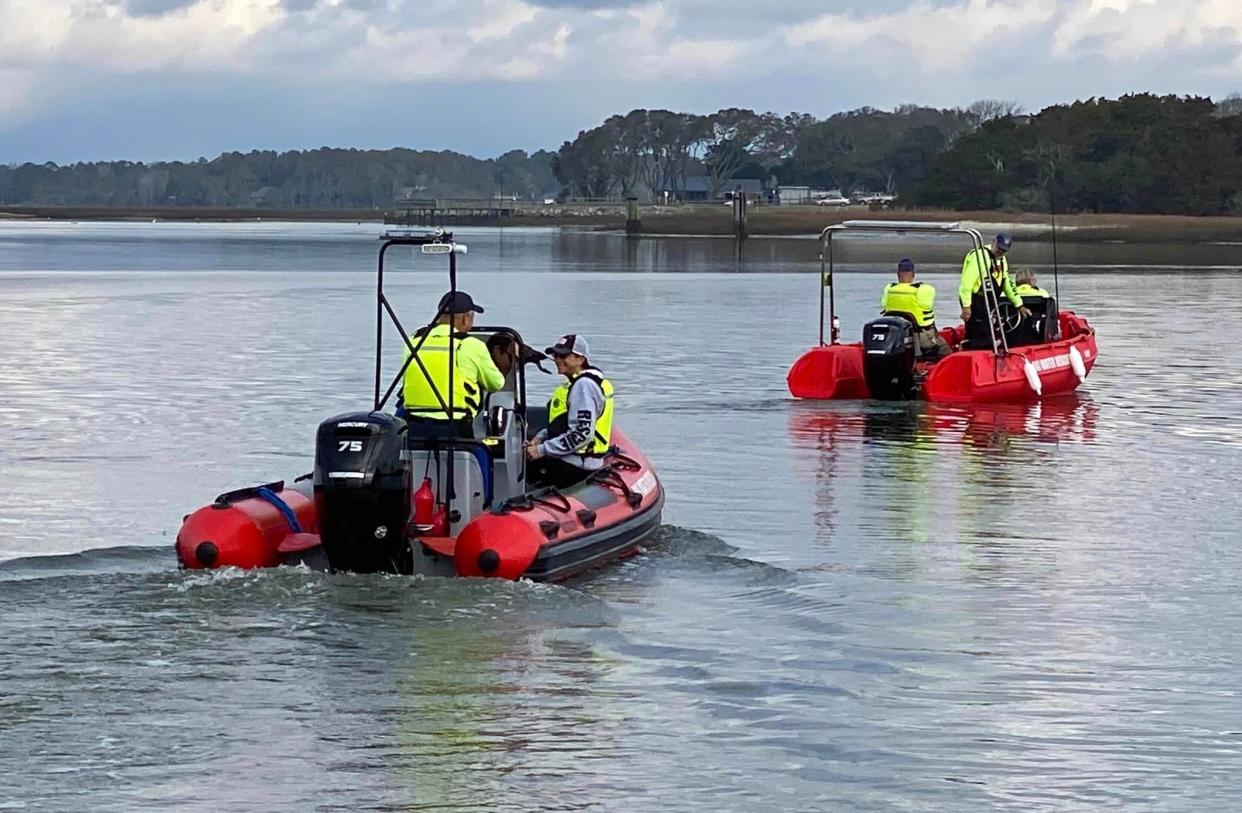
column 1077, row 365
column 1032, row 377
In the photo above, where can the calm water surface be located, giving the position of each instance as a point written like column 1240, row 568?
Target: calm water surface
column 852, row 606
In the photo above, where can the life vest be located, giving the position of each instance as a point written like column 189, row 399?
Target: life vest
column 559, row 402
column 1031, row 290
column 985, row 262
column 907, row 298
column 558, row 414
column 420, row 390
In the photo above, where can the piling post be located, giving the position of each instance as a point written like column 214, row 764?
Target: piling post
column 739, row 214
column 633, row 223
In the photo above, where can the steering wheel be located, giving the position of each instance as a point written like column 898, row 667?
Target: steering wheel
column 1010, row 318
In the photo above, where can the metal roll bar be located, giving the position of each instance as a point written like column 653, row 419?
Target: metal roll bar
column 430, row 241
column 992, row 305
column 436, row 241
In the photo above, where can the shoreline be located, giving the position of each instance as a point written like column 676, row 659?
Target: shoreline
column 705, row 220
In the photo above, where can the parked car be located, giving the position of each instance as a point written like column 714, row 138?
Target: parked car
column 872, row 198
column 834, row 200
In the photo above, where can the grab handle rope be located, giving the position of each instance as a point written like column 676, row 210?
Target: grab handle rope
column 265, row 493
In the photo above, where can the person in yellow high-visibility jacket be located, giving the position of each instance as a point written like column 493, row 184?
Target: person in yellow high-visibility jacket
column 1027, row 285
column 915, row 301
column 425, row 394
column 988, row 260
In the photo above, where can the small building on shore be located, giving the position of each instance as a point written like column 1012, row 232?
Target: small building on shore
column 792, row 195
column 698, row 189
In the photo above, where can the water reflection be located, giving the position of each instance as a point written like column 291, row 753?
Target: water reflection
column 492, row 702
column 920, row 468
column 892, row 595
column 415, row 694
column 823, row 425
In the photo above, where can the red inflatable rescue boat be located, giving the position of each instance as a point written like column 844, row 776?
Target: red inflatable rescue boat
column 392, row 496
column 544, row 535
column 1049, row 353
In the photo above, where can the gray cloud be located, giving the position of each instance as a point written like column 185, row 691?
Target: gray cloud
column 589, row 5
column 237, row 74
column 154, row 8
column 768, row 11
column 354, row 5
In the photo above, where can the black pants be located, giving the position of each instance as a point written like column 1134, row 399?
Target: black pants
column 978, row 334
column 552, row 471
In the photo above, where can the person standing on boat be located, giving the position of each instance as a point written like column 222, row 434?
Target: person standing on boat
column 579, row 432
column 425, row 395
column 917, row 302
column 988, row 260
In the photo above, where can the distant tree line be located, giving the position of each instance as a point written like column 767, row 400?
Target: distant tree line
column 313, row 179
column 646, row 153
column 1140, row 153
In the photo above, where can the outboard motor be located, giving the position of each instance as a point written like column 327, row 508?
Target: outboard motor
column 362, row 489
column 888, row 358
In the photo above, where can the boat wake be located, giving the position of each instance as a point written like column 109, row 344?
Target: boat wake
column 683, row 546
column 124, row 559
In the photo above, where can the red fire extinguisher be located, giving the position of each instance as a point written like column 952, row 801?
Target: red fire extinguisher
column 429, row 516
column 424, row 506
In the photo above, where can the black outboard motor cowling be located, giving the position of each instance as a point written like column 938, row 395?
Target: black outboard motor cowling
column 888, row 358
column 362, row 491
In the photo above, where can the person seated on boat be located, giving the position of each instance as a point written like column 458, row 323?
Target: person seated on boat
column 426, row 395
column 1043, row 323
column 915, row 301
column 1026, row 285
column 988, row 260
column 579, row 431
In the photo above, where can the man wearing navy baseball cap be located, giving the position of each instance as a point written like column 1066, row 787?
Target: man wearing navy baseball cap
column 987, row 260
column 915, row 301
column 579, row 433
column 425, row 392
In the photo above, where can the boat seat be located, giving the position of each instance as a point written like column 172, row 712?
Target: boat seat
column 1052, row 320
column 1041, row 327
column 473, row 453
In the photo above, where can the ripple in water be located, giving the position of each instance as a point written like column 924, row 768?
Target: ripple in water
column 880, row 607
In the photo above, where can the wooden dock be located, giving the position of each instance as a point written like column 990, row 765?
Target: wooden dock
column 431, row 211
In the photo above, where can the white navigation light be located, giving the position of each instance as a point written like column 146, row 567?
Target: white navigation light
column 444, row 248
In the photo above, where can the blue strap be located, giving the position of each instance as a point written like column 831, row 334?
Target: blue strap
column 265, row 493
column 485, row 466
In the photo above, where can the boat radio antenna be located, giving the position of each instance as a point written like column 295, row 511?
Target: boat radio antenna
column 1052, row 210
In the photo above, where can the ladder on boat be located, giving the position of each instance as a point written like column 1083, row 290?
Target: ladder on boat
column 991, row 299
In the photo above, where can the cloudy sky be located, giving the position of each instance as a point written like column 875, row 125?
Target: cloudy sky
column 176, row 79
